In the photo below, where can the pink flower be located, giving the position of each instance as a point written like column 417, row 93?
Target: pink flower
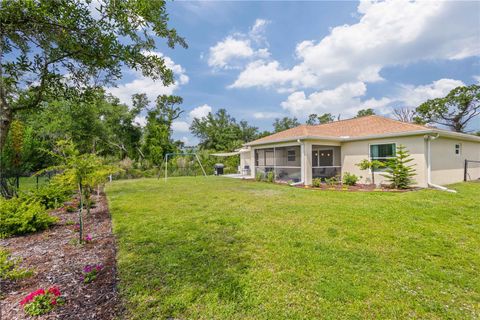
column 54, row 301
column 29, row 298
column 88, row 238
column 55, row 291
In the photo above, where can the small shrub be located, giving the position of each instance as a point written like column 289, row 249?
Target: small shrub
column 271, row 176
column 350, row 179
column 259, row 176
column 20, row 216
column 371, row 165
column 331, row 182
column 9, row 267
column 399, row 172
column 317, row 182
column 41, row 302
column 90, row 272
column 51, row 195
column 71, row 209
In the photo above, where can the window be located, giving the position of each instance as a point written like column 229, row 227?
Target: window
column 382, row 152
column 458, row 149
column 291, row 155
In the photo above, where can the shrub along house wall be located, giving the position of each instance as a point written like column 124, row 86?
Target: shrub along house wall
column 355, row 151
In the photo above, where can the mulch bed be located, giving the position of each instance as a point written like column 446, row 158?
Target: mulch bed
column 358, row 187
column 339, row 187
column 58, row 260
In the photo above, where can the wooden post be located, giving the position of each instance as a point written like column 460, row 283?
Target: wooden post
column 465, row 171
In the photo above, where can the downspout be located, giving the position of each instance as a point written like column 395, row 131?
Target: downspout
column 430, row 138
column 302, row 166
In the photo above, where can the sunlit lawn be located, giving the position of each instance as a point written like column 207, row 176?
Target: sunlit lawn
column 218, row 248
column 31, row 183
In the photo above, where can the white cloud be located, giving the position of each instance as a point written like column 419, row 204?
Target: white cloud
column 237, row 48
column 141, row 121
column 222, row 54
column 335, row 100
column 413, row 96
column 183, row 126
column 257, row 32
column 348, row 98
column 266, row 115
column 180, row 126
column 389, row 33
column 477, row 78
column 146, row 85
column 261, row 73
column 200, row 112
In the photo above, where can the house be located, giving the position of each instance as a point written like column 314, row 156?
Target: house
column 306, row 152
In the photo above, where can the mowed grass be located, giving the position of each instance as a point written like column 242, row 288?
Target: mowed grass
column 30, row 183
column 218, row 248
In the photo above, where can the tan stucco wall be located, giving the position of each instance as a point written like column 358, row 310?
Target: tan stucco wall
column 355, row 151
column 447, row 167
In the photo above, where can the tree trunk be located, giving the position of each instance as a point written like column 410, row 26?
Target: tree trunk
column 6, row 118
column 80, row 213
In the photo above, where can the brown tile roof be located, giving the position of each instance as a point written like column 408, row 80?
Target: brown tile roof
column 352, row 128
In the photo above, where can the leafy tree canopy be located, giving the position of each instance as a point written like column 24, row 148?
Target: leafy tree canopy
column 49, row 45
column 220, row 131
column 158, row 131
column 365, row 112
column 285, row 123
column 454, row 111
column 314, row 119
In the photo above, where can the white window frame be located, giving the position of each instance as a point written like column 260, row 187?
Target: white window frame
column 459, row 149
column 386, row 158
column 294, row 155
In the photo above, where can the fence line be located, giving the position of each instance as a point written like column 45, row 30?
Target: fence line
column 465, row 170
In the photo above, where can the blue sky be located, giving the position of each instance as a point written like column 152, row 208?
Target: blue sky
column 263, row 60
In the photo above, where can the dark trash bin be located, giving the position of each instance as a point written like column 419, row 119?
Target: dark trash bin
column 219, row 168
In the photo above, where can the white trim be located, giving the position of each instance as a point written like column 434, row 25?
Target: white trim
column 302, row 161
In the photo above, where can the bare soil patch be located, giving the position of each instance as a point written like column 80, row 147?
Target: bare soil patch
column 58, row 260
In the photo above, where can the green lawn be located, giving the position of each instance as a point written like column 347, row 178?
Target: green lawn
column 218, row 248
column 30, row 183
